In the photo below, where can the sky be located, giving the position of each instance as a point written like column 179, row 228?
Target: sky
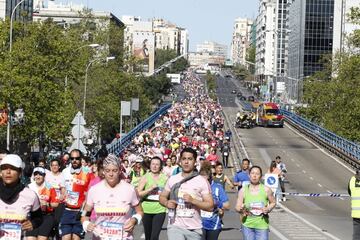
column 210, row 20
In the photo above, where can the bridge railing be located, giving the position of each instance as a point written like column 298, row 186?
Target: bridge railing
column 347, row 150
column 118, row 146
column 344, row 148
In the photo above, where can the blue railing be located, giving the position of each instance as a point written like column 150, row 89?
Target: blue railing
column 340, row 144
column 347, row 147
column 118, row 146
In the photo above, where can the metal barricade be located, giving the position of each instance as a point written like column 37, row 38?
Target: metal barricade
column 118, row 146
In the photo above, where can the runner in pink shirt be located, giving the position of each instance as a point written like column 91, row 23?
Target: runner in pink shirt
column 185, row 201
column 113, row 200
column 20, row 206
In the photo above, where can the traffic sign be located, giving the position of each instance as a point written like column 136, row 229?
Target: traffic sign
column 78, row 119
column 272, row 181
column 78, row 132
column 77, row 144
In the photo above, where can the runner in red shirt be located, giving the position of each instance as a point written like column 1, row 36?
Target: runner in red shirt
column 76, row 185
column 48, row 201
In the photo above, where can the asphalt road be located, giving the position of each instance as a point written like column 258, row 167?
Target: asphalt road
column 310, row 169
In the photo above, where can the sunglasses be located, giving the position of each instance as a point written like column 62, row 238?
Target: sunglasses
column 75, row 158
column 39, row 173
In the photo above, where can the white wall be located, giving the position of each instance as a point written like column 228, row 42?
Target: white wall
column 2, row 9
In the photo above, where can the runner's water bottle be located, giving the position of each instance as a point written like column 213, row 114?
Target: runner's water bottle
column 171, row 215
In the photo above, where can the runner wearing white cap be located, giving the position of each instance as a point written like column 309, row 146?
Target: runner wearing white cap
column 20, row 207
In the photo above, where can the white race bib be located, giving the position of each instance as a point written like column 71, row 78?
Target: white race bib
column 184, row 210
column 226, row 153
column 154, row 196
column 72, row 198
column 256, row 208
column 10, row 231
column 110, row 230
column 205, row 214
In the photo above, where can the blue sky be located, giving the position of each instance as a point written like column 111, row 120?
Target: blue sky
column 205, row 19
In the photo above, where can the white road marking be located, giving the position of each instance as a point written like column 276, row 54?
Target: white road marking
column 277, row 233
column 307, row 222
column 304, row 171
column 329, row 191
column 298, row 165
column 311, row 178
column 320, row 185
column 292, row 160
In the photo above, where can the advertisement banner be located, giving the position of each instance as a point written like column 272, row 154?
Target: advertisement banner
column 144, row 51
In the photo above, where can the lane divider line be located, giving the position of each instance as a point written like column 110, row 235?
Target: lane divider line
column 308, row 223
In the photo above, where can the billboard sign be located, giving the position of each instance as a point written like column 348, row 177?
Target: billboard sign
column 144, row 51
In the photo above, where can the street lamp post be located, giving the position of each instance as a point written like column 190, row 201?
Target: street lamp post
column 10, row 49
column 86, row 77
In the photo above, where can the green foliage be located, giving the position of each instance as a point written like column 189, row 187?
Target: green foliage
column 179, row 66
column 334, row 98
column 164, row 55
column 250, row 57
column 211, row 85
column 44, row 75
column 156, row 86
column 241, row 72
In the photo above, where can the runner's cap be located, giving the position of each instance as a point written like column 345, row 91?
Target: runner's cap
column 40, row 170
column 13, row 160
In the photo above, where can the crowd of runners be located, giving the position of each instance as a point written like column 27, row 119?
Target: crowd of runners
column 174, row 170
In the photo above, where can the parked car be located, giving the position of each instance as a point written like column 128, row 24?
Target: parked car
column 233, row 91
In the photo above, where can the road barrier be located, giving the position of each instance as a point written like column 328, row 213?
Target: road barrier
column 118, row 146
column 334, row 195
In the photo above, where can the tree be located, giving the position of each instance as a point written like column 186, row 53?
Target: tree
column 164, row 55
column 33, row 77
column 179, row 66
column 333, row 95
column 240, row 71
column 250, row 57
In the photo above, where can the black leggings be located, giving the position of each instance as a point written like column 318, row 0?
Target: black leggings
column 225, row 161
column 282, row 186
column 152, row 225
column 211, row 234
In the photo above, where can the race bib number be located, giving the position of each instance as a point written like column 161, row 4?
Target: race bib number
column 154, row 195
column 72, row 198
column 110, row 230
column 205, row 214
column 226, row 153
column 256, row 208
column 10, row 231
column 184, row 210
